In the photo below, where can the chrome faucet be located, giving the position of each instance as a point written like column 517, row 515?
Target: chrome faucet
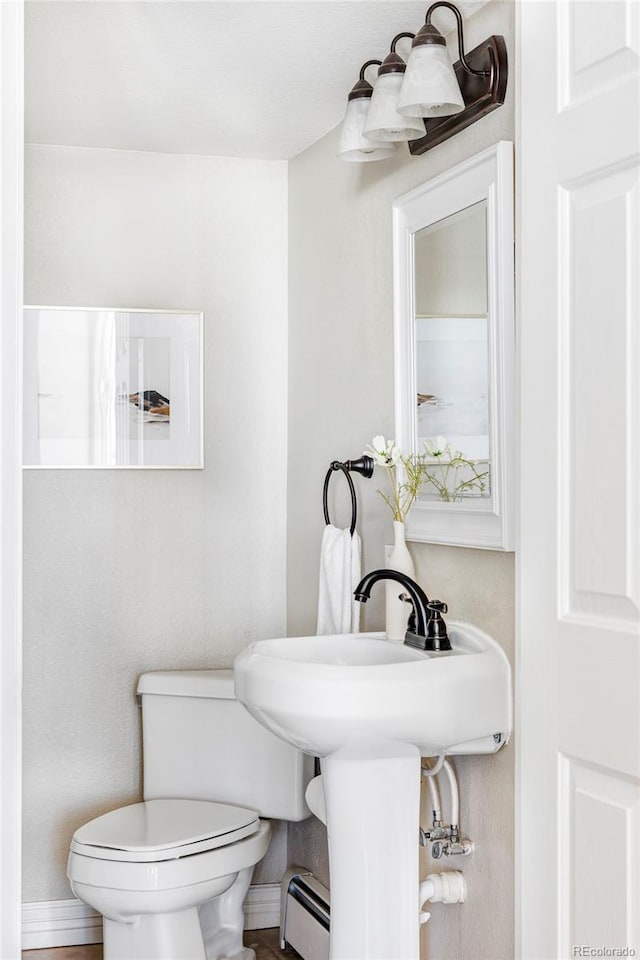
column 427, row 630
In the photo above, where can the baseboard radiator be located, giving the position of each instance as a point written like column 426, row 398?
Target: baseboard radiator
column 305, row 915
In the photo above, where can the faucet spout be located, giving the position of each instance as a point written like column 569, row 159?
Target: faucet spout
column 418, row 597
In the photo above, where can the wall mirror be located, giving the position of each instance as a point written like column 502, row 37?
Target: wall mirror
column 454, row 349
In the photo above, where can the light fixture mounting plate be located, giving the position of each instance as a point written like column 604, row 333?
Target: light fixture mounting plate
column 481, row 95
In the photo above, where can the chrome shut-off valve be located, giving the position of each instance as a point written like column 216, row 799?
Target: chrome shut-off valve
column 451, row 848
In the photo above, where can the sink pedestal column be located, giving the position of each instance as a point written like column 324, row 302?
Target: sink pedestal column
column 372, row 795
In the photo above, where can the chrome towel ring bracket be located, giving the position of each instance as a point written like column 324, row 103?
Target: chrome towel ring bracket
column 363, row 466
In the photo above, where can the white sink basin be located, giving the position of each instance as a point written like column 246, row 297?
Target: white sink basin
column 322, row 693
column 341, row 650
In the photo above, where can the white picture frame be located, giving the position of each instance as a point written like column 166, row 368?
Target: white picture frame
column 112, row 388
column 486, row 522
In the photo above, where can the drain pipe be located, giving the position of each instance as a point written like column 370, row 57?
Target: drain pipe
column 448, row 887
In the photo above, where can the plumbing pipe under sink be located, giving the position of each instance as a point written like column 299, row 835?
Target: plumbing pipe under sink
column 454, row 793
column 447, row 887
column 430, row 775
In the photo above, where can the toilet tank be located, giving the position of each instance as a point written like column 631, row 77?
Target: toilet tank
column 199, row 742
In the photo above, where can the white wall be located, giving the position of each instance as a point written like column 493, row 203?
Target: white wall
column 127, row 571
column 340, row 395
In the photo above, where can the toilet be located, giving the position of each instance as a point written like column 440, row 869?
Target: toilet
column 169, row 875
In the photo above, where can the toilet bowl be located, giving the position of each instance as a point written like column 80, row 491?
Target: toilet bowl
column 170, row 875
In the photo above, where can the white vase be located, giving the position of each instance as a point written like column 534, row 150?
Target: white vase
column 398, row 611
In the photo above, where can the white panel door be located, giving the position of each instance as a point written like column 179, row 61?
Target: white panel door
column 579, row 556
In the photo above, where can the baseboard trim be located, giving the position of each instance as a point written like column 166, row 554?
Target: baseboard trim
column 66, row 923
column 262, row 906
column 59, row 923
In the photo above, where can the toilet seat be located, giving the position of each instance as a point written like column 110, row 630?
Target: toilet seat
column 158, row 830
column 85, row 867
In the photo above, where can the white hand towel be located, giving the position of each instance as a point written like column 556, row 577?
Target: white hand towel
column 340, row 573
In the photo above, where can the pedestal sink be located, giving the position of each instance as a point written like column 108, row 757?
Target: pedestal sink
column 370, row 708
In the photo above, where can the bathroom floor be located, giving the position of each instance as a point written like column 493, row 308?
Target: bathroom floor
column 264, row 942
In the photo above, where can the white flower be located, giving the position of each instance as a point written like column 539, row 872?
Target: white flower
column 384, row 452
column 438, row 447
column 437, row 468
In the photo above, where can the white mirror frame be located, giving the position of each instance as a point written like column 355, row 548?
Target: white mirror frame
column 487, row 176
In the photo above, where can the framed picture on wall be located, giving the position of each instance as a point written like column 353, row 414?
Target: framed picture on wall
column 112, row 388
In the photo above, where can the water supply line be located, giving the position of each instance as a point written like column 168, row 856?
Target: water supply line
column 437, row 831
column 445, row 839
column 434, row 793
column 454, row 795
column 436, row 768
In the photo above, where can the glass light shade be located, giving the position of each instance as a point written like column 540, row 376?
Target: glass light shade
column 354, row 145
column 430, row 87
column 383, row 120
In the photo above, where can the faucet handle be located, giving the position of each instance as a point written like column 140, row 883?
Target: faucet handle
column 437, row 606
column 437, row 637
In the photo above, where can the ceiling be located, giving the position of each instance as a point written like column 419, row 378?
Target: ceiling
column 231, row 78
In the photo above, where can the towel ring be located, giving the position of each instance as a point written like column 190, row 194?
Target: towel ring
column 336, row 465
column 364, row 466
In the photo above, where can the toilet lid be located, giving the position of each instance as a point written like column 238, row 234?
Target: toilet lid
column 164, row 830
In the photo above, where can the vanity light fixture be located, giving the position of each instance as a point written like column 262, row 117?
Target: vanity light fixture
column 354, row 146
column 428, row 99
